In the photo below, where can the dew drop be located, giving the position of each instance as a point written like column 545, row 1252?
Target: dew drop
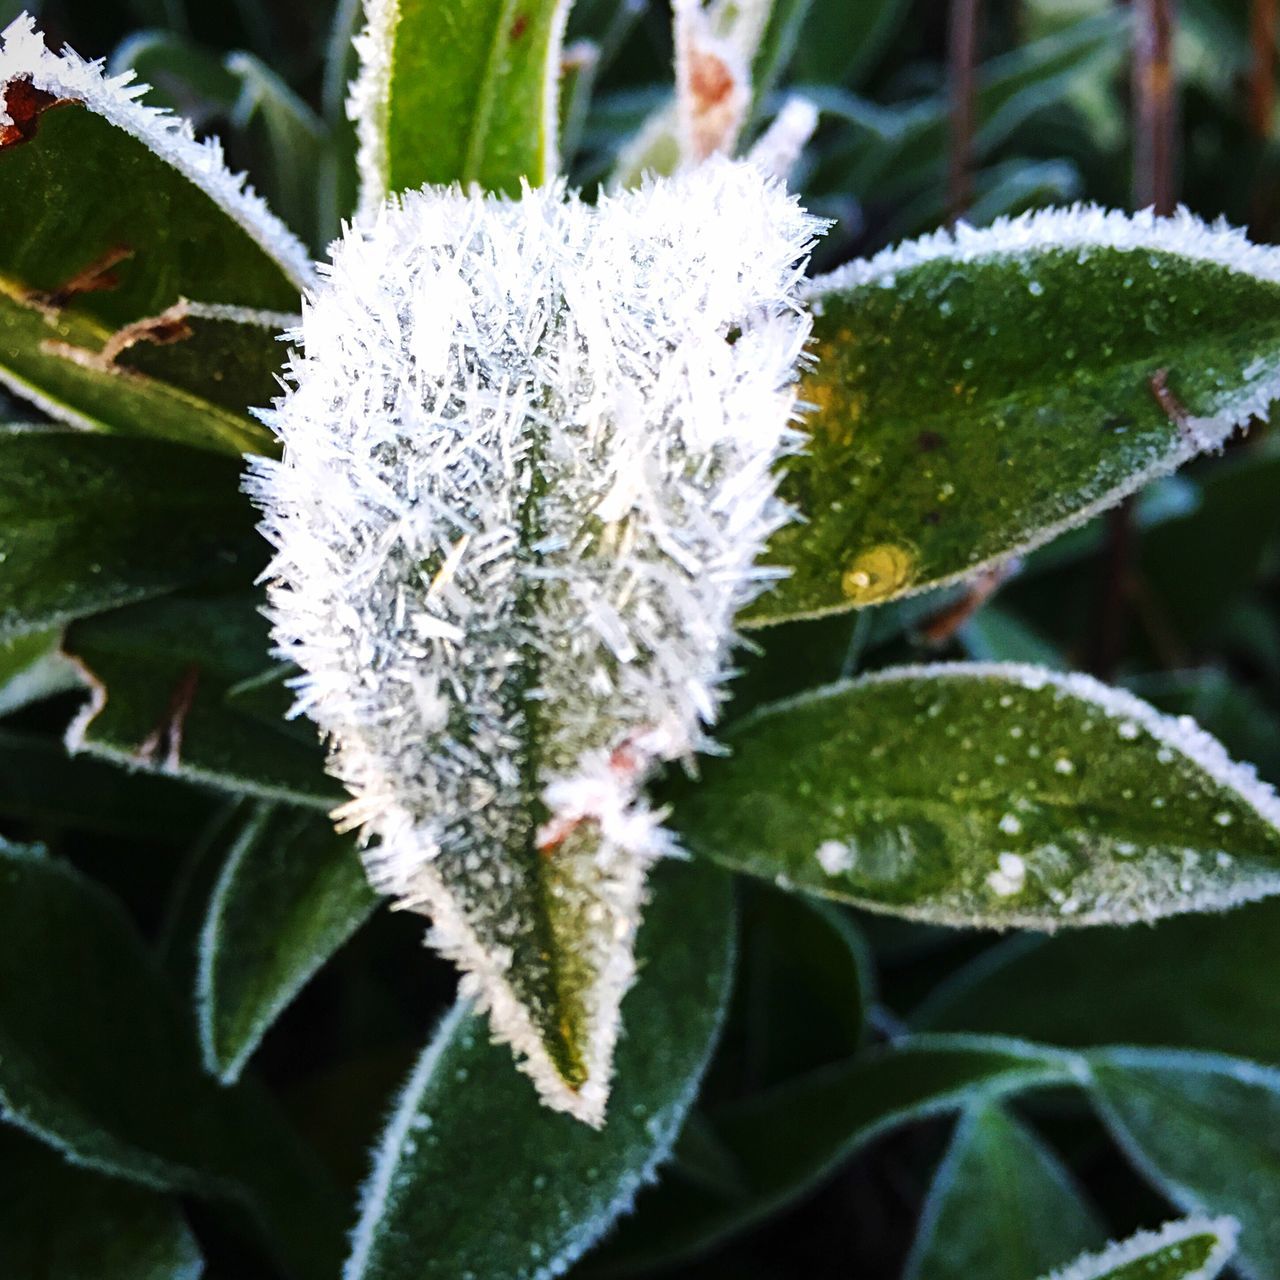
column 1224, row 818
column 1011, row 824
column 1063, row 766
column 1128, row 730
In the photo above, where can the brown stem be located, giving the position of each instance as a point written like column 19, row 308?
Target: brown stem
column 965, row 16
column 1155, row 139
column 1263, row 18
column 1155, row 107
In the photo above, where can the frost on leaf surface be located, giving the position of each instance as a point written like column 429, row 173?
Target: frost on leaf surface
column 979, row 391
column 528, row 471
column 1193, row 1249
column 1005, row 796
column 35, row 81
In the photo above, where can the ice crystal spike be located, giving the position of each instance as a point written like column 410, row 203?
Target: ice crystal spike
column 527, row 473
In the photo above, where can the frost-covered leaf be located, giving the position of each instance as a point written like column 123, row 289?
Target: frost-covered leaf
column 977, row 393
column 1205, row 1129
column 457, row 91
column 88, row 523
column 987, row 795
column 1163, row 986
column 1001, row 1206
column 97, row 1061
column 517, row 593
column 290, row 893
column 175, row 687
column 715, row 45
column 474, row 1177
column 58, row 1222
column 31, row 668
column 171, row 251
column 1194, row 1249
column 781, row 1142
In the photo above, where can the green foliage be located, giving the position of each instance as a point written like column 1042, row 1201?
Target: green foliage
column 493, row 71
column 189, row 951
column 289, row 894
column 1000, row 1205
column 551, row 1185
column 1004, row 796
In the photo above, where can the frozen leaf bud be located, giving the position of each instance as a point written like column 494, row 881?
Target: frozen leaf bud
column 528, row 471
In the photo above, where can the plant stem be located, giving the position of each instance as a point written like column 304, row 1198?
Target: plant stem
column 962, row 38
column 1262, row 71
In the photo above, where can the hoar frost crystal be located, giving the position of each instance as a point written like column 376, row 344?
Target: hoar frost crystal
column 528, row 471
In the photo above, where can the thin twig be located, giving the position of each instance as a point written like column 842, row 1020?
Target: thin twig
column 1155, row 108
column 1264, row 17
column 965, row 16
column 1155, row 148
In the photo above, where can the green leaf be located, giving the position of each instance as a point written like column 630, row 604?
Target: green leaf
column 460, row 91
column 40, row 783
column 1194, row 1249
column 785, row 1140
column 804, row 984
column 1001, row 1206
column 58, row 1222
column 986, row 795
column 97, row 1061
column 826, row 41
column 549, row 1185
column 88, row 523
column 1205, row 1129
column 290, row 893
column 1163, row 986
column 169, row 676
column 978, row 393
column 887, row 152
column 169, row 248
column 32, row 668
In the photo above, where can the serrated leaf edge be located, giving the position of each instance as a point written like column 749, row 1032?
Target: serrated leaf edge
column 116, row 99
column 1097, row 1266
column 1079, row 227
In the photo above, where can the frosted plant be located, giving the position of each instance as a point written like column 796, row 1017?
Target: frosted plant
column 528, row 472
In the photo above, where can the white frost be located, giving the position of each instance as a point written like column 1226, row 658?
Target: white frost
column 528, row 470
column 116, row 98
column 1096, row 1266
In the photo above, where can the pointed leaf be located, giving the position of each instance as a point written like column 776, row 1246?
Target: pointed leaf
column 166, row 675
column 1001, row 1206
column 977, row 393
column 461, row 91
column 289, row 895
column 785, row 1140
column 58, row 1222
column 502, row 620
column 171, row 248
column 549, row 1185
column 1194, row 1249
column 987, row 795
column 1205, row 1129
column 1163, row 986
column 88, row 523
